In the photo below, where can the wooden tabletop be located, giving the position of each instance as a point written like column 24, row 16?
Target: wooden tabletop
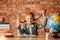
column 42, row 37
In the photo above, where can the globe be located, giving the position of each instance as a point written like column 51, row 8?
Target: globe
column 54, row 22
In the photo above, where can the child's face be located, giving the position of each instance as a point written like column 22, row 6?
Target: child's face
column 29, row 19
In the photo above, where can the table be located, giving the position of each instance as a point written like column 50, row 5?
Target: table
column 26, row 38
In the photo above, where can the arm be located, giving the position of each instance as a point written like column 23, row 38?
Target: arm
column 20, row 30
column 44, row 22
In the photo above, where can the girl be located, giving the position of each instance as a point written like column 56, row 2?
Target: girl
column 30, row 27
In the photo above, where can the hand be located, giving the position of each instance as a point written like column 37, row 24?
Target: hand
column 25, row 35
column 43, row 15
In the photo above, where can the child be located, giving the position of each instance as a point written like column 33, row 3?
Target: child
column 30, row 27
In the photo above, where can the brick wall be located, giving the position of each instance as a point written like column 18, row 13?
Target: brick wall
column 12, row 8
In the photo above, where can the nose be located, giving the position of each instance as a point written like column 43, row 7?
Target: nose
column 28, row 19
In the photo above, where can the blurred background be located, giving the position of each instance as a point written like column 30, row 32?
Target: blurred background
column 13, row 9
